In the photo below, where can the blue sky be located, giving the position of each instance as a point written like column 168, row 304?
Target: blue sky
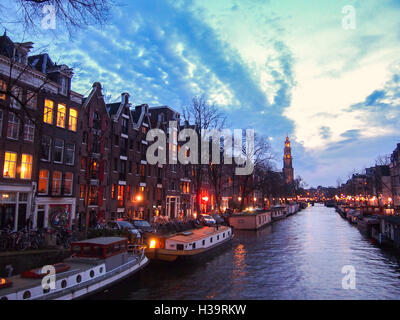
column 280, row 67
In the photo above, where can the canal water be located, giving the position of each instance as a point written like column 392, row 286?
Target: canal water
column 300, row 257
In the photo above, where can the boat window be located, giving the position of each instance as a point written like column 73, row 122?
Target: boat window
column 194, row 245
column 204, row 242
column 101, row 270
column 179, row 246
column 78, row 278
column 91, row 273
column 223, row 235
column 98, row 251
column 45, row 291
column 64, row 284
column 217, row 237
column 27, row 295
column 76, row 249
column 87, row 250
column 211, row 239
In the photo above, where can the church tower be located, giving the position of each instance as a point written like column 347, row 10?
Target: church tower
column 287, row 162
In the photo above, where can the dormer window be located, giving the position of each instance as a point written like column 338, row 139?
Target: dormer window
column 64, row 85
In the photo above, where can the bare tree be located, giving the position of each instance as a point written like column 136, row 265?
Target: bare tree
column 261, row 155
column 382, row 160
column 70, row 14
column 204, row 116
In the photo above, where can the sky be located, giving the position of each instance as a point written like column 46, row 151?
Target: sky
column 279, row 67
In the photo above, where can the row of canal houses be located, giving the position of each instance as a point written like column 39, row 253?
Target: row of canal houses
column 64, row 156
column 372, row 200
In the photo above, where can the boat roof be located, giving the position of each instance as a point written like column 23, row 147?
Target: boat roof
column 198, row 234
column 251, row 213
column 104, row 241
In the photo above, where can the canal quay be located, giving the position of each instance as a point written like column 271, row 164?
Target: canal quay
column 300, row 257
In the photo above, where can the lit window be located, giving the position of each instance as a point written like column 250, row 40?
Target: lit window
column 61, row 111
column 82, row 188
column 29, row 130
column 13, row 126
column 73, row 119
column 10, row 165
column 26, row 166
column 3, row 89
column 48, row 111
column 68, row 183
column 56, row 187
column 43, row 182
column 120, row 192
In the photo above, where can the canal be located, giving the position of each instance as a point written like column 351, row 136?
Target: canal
column 300, row 257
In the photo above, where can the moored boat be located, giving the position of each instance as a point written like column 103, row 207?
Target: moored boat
column 250, row 220
column 278, row 212
column 94, row 265
column 188, row 245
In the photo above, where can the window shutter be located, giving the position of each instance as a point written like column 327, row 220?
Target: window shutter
column 100, row 199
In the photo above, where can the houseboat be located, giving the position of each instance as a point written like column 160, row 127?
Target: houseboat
column 94, row 264
column 250, row 220
column 278, row 212
column 292, row 208
column 369, row 225
column 188, row 245
column 353, row 216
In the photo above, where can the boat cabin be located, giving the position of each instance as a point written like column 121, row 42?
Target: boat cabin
column 101, row 248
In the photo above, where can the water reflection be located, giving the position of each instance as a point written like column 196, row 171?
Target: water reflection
column 300, row 257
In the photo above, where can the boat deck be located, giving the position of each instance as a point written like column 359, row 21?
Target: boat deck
column 19, row 283
column 198, row 234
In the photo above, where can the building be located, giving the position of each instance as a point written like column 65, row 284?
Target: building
column 395, row 175
column 59, row 110
column 37, row 184
column 94, row 156
column 288, row 172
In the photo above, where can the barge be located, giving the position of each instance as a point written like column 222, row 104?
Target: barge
column 250, row 220
column 278, row 212
column 188, row 245
column 94, row 265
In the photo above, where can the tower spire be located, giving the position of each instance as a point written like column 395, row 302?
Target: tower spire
column 287, row 162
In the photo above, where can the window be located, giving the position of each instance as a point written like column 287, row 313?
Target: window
column 70, row 153
column 13, row 126
column 83, row 163
column 29, row 130
column 84, row 137
column 26, row 166
column 1, row 122
column 45, row 148
column 82, row 188
column 31, row 99
column 61, row 111
column 130, row 167
column 93, row 196
column 113, row 192
column 64, row 85
column 3, row 88
column 73, row 119
column 10, row 165
column 56, row 187
column 48, row 111
column 115, row 164
column 43, row 187
column 17, row 93
column 58, row 150
column 68, row 183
